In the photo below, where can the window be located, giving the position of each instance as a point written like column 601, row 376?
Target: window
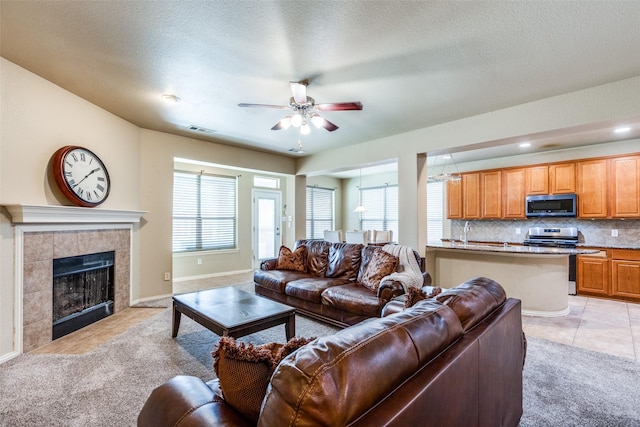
column 266, row 182
column 382, row 209
column 204, row 212
column 435, row 211
column 319, row 211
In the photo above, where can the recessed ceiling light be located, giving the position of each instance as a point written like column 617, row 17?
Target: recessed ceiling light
column 170, row 98
column 622, row 129
column 525, row 144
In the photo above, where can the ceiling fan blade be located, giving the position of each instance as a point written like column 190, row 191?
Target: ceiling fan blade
column 299, row 91
column 278, row 107
column 329, row 126
column 339, row 106
column 277, row 126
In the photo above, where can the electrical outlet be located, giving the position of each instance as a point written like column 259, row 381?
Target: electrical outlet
column 199, row 261
column 518, row 230
column 167, row 276
column 614, row 232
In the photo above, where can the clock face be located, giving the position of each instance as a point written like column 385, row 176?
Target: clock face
column 81, row 176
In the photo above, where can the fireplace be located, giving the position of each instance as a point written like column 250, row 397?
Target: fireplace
column 83, row 291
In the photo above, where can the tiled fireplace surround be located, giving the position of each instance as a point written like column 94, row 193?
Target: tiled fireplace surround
column 41, row 248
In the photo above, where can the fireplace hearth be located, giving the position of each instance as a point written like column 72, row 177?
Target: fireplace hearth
column 83, row 291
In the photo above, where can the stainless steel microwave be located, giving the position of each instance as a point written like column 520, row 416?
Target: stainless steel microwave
column 551, row 205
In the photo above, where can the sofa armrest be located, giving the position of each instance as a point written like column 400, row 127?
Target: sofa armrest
column 188, row 400
column 268, row 264
column 390, row 289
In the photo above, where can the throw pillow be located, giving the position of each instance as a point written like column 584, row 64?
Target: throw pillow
column 416, row 294
column 244, row 371
column 380, row 265
column 296, row 260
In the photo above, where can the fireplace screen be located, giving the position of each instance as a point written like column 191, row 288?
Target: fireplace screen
column 82, row 291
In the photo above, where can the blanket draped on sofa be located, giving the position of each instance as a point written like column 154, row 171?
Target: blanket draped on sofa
column 409, row 274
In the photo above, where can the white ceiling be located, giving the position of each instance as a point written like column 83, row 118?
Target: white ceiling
column 412, row 64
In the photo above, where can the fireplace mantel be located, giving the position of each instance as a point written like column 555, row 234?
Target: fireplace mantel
column 36, row 214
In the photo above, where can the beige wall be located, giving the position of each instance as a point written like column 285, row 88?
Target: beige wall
column 37, row 118
column 158, row 151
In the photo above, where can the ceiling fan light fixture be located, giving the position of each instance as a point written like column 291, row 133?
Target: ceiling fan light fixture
column 296, row 120
column 305, row 129
column 285, row 123
column 317, row 120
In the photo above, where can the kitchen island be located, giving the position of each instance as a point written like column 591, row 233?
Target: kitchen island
column 538, row 276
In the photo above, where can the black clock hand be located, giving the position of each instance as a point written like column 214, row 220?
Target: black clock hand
column 86, row 176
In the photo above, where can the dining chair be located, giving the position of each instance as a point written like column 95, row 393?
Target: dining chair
column 361, row 237
column 333, row 236
column 382, row 236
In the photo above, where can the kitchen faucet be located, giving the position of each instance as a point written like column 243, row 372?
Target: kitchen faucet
column 466, row 229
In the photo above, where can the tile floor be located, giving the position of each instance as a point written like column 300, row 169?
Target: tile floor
column 610, row 327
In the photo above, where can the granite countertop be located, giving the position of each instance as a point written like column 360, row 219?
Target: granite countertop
column 508, row 248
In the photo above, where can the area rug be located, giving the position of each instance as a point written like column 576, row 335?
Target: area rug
column 564, row 386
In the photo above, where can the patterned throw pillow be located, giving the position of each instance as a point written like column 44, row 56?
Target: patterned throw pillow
column 244, row 371
column 380, row 265
column 415, row 294
column 296, row 260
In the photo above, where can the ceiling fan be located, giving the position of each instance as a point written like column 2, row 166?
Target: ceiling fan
column 304, row 109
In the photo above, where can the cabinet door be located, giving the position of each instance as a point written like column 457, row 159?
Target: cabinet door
column 592, row 188
column 471, row 204
column 625, row 187
column 537, row 180
column 562, row 178
column 454, row 199
column 491, row 193
column 593, row 274
column 513, row 188
column 625, row 278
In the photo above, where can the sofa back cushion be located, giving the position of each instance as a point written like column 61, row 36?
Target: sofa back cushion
column 473, row 300
column 317, row 256
column 344, row 260
column 335, row 379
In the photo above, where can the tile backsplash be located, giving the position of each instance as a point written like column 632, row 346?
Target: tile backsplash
column 591, row 232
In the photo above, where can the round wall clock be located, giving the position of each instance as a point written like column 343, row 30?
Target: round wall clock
column 81, row 176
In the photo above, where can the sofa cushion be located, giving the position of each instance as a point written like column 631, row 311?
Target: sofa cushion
column 311, row 288
column 276, row 280
column 305, row 386
column 295, row 261
column 317, row 256
column 354, row 298
column 344, row 260
column 245, row 370
column 380, row 265
column 366, row 254
column 473, row 300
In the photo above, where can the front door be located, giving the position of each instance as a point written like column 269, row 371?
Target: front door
column 266, row 225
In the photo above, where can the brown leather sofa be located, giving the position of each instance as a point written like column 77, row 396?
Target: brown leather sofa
column 452, row 361
column 330, row 289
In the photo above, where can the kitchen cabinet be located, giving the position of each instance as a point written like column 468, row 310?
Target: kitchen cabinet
column 562, row 178
column 471, row 201
column 592, row 188
column 513, row 193
column 593, row 273
column 625, row 273
column 625, row 187
column 537, row 180
column 491, row 194
column 454, row 199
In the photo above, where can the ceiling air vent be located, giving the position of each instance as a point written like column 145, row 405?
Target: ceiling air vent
column 200, row 129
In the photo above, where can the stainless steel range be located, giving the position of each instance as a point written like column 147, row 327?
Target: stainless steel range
column 556, row 237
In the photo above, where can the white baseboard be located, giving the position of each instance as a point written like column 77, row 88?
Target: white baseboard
column 8, row 356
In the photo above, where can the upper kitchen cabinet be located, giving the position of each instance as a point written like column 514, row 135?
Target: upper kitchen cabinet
column 555, row 178
column 562, row 178
column 592, row 188
column 513, row 193
column 454, row 199
column 537, row 180
column 491, row 194
column 625, row 187
column 471, row 202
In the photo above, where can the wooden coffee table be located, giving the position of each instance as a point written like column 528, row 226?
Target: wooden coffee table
column 230, row 311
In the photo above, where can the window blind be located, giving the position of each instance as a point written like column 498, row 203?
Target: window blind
column 320, row 210
column 382, row 209
column 204, row 212
column 435, row 211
